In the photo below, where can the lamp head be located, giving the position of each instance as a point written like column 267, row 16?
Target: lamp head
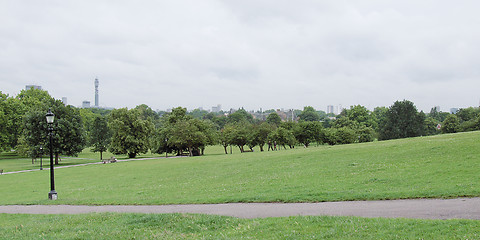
column 50, row 117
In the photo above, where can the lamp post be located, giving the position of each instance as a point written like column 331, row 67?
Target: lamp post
column 166, row 148
column 52, row 195
column 41, row 155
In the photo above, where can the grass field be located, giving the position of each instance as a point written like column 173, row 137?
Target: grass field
column 188, row 226
column 445, row 166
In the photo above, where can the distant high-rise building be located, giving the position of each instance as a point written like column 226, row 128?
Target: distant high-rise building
column 64, row 100
column 217, row 109
column 96, row 92
column 453, row 110
column 330, row 109
column 28, row 87
column 86, row 104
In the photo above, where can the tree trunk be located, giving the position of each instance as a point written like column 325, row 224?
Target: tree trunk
column 190, row 151
column 101, row 156
column 225, row 147
column 261, row 148
column 56, row 158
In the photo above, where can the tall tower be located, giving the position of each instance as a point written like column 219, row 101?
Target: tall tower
column 96, row 92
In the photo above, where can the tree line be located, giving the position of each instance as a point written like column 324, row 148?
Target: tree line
column 138, row 130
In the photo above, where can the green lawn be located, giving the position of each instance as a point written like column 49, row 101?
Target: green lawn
column 189, row 226
column 426, row 167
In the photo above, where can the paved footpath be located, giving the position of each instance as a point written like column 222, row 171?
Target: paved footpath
column 86, row 164
column 463, row 208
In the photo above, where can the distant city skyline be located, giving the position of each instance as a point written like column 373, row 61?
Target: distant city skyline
column 251, row 54
column 335, row 109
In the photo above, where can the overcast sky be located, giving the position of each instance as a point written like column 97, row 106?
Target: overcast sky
column 249, row 53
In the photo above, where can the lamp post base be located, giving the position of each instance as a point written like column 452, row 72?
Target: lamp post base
column 52, row 195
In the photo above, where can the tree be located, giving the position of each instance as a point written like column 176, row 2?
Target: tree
column 430, row 126
column 402, row 121
column 282, row 137
column 240, row 134
column 379, row 116
column 309, row 114
column 68, row 138
column 260, row 134
column 34, row 134
column 179, row 132
column 307, row 132
column 274, row 119
column 100, row 135
column 240, row 116
column 4, row 123
column 343, row 135
column 365, row 134
column 437, row 115
column 198, row 113
column 15, row 108
column 130, row 133
column 225, row 136
column 468, row 114
column 450, row 125
column 345, row 122
column 360, row 115
column 187, row 134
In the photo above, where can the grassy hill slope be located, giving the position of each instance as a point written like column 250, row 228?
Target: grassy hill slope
column 425, row 167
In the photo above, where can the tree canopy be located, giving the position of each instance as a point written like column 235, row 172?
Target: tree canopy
column 402, row 120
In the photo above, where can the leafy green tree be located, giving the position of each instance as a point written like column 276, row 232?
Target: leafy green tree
column 100, row 135
column 437, row 115
column 87, row 119
column 470, row 125
column 259, row 135
column 343, row 135
column 35, row 134
column 282, row 137
column 451, row 124
column 289, row 125
column 130, row 132
column 190, row 134
column 345, row 122
column 309, row 114
column 4, row 123
column 468, row 114
column 15, row 108
column 365, row 134
column 225, row 136
column 402, row 121
column 307, row 132
column 34, row 99
column 240, row 134
column 179, row 131
column 68, row 138
column 274, row 119
column 379, row 116
column 360, row 115
column 431, row 126
column 240, row 116
column 198, row 113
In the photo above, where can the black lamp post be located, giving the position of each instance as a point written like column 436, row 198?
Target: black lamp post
column 166, row 147
column 52, row 195
column 41, row 155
